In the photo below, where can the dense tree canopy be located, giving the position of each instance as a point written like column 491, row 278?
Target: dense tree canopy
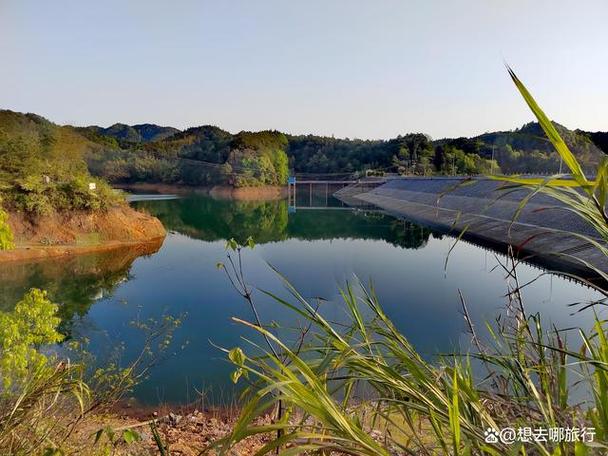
column 42, row 167
column 258, row 159
column 32, row 147
column 203, row 156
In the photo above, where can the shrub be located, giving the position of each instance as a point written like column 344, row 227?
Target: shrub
column 44, row 396
column 34, row 385
column 6, row 234
column 32, row 324
column 34, row 195
column 253, row 168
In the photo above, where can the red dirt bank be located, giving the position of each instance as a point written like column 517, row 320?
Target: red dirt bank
column 73, row 233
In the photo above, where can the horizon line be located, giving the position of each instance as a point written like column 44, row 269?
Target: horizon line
column 321, row 135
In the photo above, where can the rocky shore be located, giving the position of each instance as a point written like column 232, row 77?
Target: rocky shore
column 185, row 433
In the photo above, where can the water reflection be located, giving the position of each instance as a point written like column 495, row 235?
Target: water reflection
column 209, row 219
column 75, row 282
column 318, row 250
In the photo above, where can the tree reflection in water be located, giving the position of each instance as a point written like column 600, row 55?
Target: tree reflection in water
column 77, row 282
column 74, row 282
column 202, row 217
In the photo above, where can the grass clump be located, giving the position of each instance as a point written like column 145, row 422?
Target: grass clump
column 583, row 196
column 363, row 389
column 35, row 195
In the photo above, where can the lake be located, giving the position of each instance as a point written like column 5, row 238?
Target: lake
column 317, row 249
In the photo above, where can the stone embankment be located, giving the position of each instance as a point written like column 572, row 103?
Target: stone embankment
column 543, row 233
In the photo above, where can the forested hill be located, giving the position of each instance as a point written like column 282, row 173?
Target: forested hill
column 43, row 167
column 527, row 149
column 208, row 155
column 201, row 156
column 128, row 134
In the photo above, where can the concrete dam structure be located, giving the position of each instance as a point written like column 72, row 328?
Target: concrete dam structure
column 544, row 233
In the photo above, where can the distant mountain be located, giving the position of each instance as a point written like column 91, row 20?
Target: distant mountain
column 121, row 132
column 206, row 143
column 532, row 137
column 193, row 156
column 152, row 132
column 135, row 134
column 527, row 149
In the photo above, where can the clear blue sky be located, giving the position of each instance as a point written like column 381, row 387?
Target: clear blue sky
column 355, row 68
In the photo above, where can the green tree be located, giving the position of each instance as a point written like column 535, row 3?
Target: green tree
column 6, row 234
column 259, row 159
column 32, row 324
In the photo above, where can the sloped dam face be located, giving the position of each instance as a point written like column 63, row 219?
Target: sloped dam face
column 490, row 213
column 318, row 250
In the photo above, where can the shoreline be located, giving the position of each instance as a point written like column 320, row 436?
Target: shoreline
column 76, row 233
column 268, row 192
column 131, row 408
column 23, row 253
column 543, row 233
column 187, row 432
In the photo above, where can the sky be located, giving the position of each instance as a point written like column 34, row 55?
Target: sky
column 349, row 68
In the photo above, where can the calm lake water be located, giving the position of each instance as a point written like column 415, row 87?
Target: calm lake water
column 318, row 250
